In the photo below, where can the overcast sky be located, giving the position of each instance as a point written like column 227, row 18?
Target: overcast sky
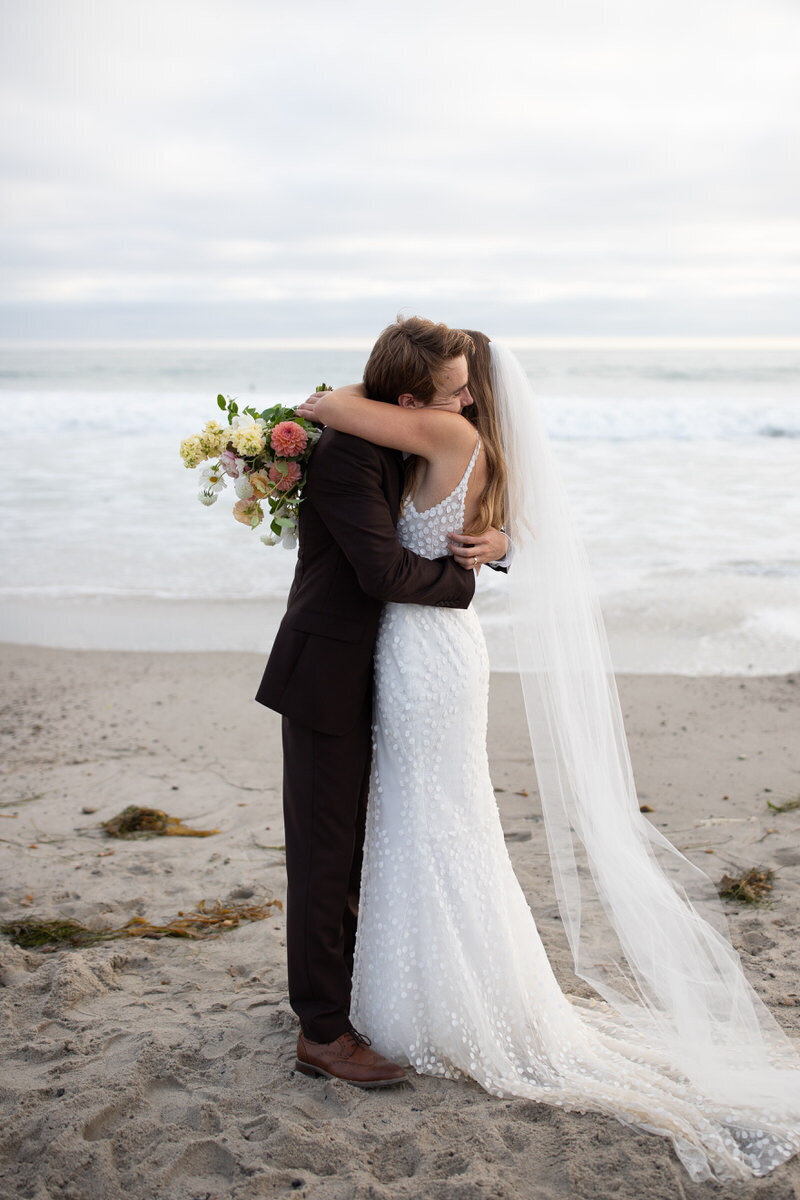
column 201, row 166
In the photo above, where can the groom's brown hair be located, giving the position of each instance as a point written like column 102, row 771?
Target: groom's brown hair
column 408, row 357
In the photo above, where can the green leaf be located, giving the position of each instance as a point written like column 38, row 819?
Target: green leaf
column 221, row 401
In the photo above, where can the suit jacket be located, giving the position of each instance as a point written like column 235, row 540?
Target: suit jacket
column 349, row 563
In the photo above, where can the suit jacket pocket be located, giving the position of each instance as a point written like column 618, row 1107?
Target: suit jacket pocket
column 341, row 629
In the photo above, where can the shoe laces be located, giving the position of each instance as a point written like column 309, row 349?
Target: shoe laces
column 359, row 1039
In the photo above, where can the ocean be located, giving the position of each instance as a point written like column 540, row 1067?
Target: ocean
column 681, row 461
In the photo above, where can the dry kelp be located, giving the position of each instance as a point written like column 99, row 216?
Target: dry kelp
column 135, row 821
column 750, row 887
column 203, row 922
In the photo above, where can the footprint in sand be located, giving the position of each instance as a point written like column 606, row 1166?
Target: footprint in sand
column 788, row 856
column 207, row 1165
column 109, row 1119
column 397, row 1157
column 166, row 1094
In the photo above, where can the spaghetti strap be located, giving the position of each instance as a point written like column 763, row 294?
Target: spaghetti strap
column 472, row 461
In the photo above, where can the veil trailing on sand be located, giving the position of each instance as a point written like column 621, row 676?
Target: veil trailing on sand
column 646, row 927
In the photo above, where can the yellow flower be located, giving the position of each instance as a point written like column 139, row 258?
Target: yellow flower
column 248, row 440
column 192, row 450
column 214, row 438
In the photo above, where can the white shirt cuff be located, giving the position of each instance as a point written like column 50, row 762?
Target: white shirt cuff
column 505, row 561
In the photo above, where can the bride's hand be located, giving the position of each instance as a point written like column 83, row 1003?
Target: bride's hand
column 473, row 550
column 313, row 409
column 309, row 407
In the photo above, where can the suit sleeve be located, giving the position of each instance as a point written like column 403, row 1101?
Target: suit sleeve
column 345, row 486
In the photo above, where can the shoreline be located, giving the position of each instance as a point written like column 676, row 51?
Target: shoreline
column 164, row 1067
column 129, row 623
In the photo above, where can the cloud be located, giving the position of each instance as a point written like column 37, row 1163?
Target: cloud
column 253, row 152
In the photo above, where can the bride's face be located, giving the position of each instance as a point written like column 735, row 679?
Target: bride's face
column 452, row 392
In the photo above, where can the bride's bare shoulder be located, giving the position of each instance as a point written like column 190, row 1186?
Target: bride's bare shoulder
column 460, row 428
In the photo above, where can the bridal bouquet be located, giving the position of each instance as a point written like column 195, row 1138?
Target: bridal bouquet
column 265, row 455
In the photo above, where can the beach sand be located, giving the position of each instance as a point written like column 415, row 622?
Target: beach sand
column 144, row 1068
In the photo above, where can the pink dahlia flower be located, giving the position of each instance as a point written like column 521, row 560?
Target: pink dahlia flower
column 288, row 439
column 285, row 483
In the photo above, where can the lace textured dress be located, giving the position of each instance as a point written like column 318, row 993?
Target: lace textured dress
column 450, row 974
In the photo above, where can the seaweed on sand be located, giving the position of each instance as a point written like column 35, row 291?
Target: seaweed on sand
column 202, row 922
column 751, row 886
column 789, row 806
column 135, row 821
column 32, row 934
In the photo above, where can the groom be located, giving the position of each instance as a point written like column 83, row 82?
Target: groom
column 319, row 677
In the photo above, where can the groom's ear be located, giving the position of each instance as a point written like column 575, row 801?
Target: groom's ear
column 408, row 401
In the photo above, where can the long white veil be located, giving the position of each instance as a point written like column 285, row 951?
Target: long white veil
column 646, row 927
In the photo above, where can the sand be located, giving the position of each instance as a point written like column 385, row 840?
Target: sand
column 144, row 1068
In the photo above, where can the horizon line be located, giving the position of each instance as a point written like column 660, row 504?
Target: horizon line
column 328, row 342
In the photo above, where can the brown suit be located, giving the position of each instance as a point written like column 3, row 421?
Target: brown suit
column 319, row 676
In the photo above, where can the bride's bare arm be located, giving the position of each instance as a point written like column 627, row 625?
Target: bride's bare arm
column 423, row 431
column 348, row 410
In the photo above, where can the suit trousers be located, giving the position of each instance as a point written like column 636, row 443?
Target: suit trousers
column 325, row 789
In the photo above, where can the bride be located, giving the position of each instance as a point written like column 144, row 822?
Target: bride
column 450, row 973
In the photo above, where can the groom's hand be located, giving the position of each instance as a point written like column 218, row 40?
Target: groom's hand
column 473, row 550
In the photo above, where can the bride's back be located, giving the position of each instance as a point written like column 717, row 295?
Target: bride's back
column 436, row 479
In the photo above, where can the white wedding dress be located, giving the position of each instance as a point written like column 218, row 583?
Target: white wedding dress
column 450, row 973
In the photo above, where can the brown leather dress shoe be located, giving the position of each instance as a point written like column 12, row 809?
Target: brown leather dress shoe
column 348, row 1058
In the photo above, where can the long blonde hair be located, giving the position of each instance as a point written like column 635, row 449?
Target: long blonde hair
column 482, row 413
